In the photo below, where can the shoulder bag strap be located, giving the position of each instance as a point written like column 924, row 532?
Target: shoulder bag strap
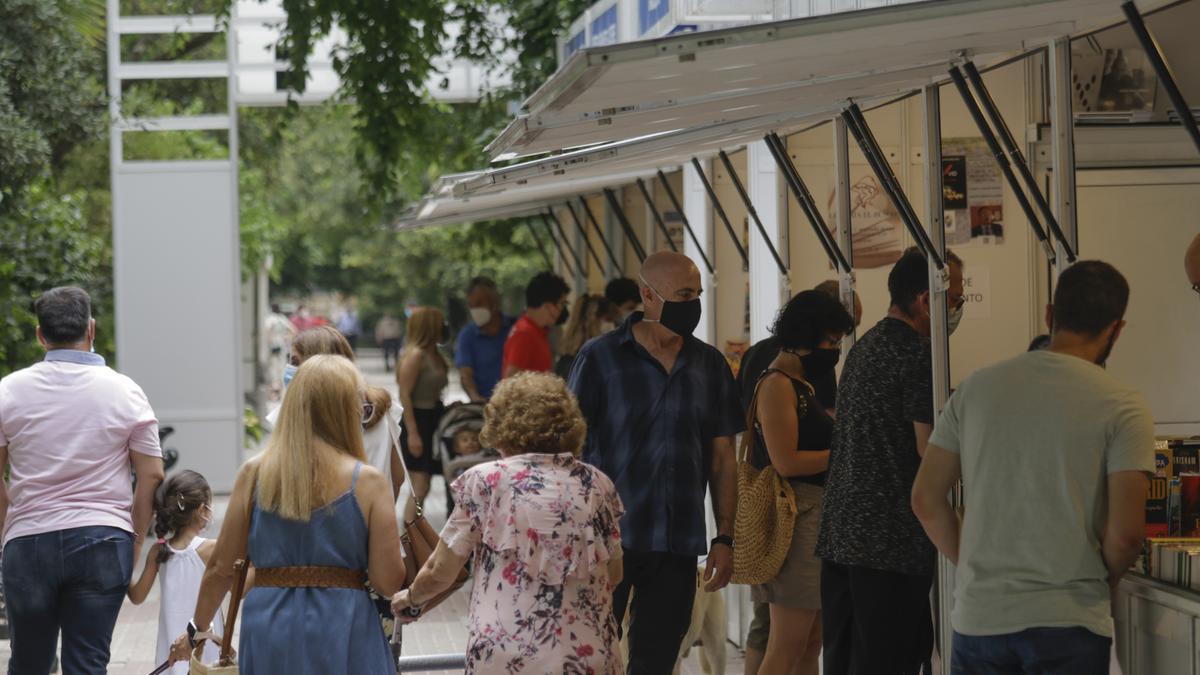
column 240, row 568
column 751, row 415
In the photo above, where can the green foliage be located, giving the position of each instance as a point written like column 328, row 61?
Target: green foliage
column 44, row 243
column 392, row 51
column 302, row 204
column 253, row 427
column 48, row 100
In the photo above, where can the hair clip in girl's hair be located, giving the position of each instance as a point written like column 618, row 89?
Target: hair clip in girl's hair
column 180, row 500
column 161, row 540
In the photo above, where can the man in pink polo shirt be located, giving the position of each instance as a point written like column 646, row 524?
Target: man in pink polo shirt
column 70, row 430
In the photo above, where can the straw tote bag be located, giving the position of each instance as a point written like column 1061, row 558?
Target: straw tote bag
column 766, row 513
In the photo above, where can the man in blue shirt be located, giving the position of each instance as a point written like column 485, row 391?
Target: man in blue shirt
column 480, row 347
column 662, row 411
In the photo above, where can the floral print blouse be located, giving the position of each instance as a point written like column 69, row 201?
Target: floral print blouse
column 542, row 529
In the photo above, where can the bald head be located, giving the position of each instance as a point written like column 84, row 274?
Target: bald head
column 1191, row 261
column 668, row 276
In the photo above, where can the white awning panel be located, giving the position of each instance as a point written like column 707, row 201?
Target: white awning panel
column 441, row 207
column 700, row 79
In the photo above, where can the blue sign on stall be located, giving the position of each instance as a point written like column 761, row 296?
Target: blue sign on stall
column 574, row 44
column 650, row 13
column 604, row 27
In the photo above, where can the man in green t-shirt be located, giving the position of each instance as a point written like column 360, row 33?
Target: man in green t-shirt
column 1054, row 455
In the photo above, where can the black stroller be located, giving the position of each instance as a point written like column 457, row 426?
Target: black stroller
column 458, row 418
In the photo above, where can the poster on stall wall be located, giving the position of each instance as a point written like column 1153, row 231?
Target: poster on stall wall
column 878, row 232
column 977, row 292
column 674, row 222
column 972, row 193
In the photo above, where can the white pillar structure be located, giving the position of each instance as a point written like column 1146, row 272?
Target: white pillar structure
column 699, row 215
column 769, row 289
column 176, row 261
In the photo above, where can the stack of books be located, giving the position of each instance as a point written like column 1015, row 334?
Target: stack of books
column 1173, row 500
column 1114, row 117
column 1174, row 560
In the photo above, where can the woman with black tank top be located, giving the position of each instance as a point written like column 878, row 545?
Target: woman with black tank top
column 792, row 433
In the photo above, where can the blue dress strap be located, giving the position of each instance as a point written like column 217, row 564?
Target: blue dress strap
column 354, row 480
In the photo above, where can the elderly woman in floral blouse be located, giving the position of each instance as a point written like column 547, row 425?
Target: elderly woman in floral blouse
column 543, row 528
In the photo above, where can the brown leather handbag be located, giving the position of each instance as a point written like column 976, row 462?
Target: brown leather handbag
column 419, row 541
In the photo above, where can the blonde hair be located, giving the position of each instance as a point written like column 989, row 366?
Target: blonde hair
column 586, row 316
column 321, row 340
column 424, row 328
column 323, row 402
column 533, row 412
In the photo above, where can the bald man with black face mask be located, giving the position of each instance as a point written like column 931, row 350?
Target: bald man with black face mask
column 662, row 412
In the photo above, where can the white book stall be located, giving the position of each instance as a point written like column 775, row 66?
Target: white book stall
column 1023, row 134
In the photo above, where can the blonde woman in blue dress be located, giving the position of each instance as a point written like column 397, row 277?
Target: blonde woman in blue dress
column 321, row 525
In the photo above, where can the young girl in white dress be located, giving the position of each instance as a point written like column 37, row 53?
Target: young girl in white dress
column 182, row 511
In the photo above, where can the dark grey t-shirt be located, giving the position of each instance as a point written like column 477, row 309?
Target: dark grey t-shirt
column 885, row 387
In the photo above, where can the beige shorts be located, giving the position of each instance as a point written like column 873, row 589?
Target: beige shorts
column 798, row 584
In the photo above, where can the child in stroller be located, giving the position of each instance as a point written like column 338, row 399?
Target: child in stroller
column 458, row 447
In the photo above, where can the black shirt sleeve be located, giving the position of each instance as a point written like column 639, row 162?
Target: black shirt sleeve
column 918, row 385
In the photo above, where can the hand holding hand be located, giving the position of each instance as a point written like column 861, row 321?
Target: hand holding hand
column 404, row 609
column 181, row 649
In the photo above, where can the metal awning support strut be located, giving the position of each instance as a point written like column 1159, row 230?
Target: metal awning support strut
column 582, row 268
column 557, row 246
column 586, row 240
column 843, row 219
column 662, row 178
column 857, row 124
column 804, row 197
column 615, row 205
column 545, row 220
column 658, row 220
column 741, row 190
column 1018, row 158
column 595, row 225
column 541, row 247
column 720, row 211
column 989, row 137
column 1165, row 77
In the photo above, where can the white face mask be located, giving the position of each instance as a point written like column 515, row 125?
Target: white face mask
column 481, row 315
column 953, row 318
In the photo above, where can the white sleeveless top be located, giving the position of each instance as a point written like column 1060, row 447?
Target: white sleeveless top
column 180, row 578
column 378, row 442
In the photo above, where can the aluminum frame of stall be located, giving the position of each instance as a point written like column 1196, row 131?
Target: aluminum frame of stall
column 732, row 133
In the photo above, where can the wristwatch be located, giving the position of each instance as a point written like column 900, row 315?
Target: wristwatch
column 191, row 633
column 722, row 539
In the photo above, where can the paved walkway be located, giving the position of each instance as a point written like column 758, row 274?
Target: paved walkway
column 442, row 631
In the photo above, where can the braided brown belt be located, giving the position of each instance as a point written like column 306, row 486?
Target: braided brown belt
column 310, row 577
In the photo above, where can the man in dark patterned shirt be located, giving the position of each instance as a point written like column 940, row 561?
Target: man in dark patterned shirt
column 878, row 564
column 662, row 412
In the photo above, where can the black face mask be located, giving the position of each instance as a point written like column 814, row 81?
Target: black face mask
column 681, row 317
column 562, row 318
column 820, row 361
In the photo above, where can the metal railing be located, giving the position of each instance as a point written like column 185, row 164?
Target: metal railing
column 432, row 663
